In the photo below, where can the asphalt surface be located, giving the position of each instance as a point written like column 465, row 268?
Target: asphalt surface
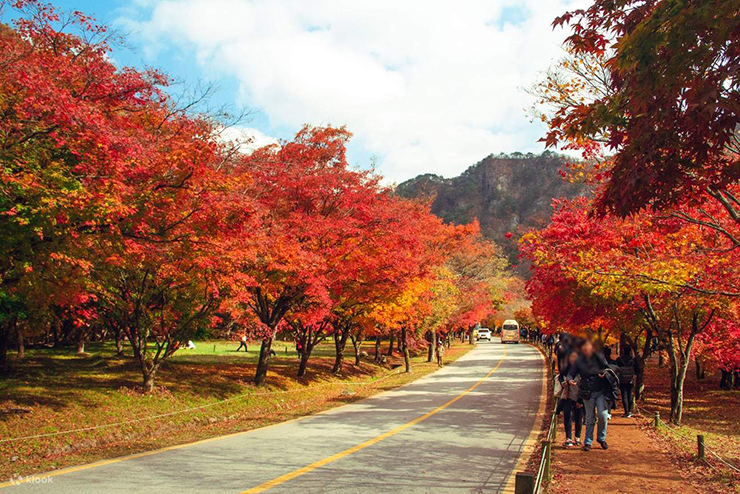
column 422, row 437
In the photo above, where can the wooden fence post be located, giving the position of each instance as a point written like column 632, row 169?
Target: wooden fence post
column 700, row 446
column 524, row 483
column 657, row 419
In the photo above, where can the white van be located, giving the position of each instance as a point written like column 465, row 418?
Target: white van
column 510, row 331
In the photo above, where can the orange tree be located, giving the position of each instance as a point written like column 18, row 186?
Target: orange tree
column 647, row 271
column 666, row 106
column 307, row 200
column 116, row 204
column 333, row 242
column 65, row 136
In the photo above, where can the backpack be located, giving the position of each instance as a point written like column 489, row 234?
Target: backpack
column 611, row 380
column 557, row 387
column 627, row 372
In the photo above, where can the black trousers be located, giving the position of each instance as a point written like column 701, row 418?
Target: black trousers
column 242, row 345
column 571, row 413
column 726, row 382
column 626, row 392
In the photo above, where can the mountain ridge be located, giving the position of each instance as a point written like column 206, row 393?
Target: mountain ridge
column 505, row 192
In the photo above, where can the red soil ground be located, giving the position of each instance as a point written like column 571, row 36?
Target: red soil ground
column 633, row 463
column 641, row 459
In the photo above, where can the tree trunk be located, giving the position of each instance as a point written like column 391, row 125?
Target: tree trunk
column 640, row 371
column 700, row 372
column 679, row 358
column 55, row 333
column 305, row 355
column 148, row 382
column 357, row 344
column 676, row 396
column 405, row 349
column 389, row 353
column 262, row 364
column 21, row 342
column 80, row 342
column 4, row 337
column 432, row 347
column 340, row 341
column 726, row 380
column 377, row 349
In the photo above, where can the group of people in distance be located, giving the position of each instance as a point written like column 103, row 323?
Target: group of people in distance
column 588, row 383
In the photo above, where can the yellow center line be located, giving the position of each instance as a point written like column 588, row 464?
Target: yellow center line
column 329, row 459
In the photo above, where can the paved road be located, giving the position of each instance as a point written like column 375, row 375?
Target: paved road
column 459, row 430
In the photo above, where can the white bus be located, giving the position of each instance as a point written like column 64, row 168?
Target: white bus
column 510, row 331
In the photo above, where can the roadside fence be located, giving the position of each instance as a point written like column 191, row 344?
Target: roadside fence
column 701, row 449
column 527, row 482
column 197, row 408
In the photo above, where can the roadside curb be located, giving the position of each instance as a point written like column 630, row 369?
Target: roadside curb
column 142, row 454
column 531, row 442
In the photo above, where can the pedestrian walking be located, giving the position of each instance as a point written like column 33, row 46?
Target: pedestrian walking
column 243, row 344
column 627, row 364
column 571, row 403
column 440, row 351
column 590, row 367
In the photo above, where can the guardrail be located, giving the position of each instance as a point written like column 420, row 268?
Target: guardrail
column 527, row 482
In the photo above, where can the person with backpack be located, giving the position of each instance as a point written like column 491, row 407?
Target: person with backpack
column 571, row 405
column 627, row 364
column 590, row 368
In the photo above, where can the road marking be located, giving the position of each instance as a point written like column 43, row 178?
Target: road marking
column 101, row 463
column 330, row 459
column 530, row 442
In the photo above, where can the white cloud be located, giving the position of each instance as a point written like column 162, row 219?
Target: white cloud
column 428, row 86
column 248, row 138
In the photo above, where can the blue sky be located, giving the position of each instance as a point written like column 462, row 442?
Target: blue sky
column 425, row 86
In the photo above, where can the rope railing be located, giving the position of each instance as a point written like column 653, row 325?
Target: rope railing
column 701, row 448
column 196, row 408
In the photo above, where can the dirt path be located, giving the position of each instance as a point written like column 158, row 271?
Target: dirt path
column 633, row 463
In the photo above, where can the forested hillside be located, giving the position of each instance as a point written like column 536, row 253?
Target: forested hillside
column 507, row 193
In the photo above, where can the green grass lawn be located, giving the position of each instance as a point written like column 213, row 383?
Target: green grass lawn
column 55, row 390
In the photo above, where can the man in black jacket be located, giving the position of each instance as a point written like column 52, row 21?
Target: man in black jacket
column 590, row 367
column 628, row 367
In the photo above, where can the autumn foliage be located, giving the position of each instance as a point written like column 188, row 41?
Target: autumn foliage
column 648, row 94
column 122, row 209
